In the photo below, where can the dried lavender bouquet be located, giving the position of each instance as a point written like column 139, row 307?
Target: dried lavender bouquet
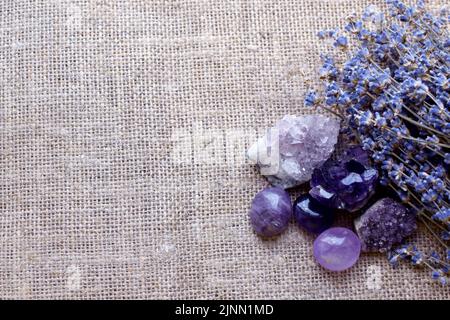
column 390, row 85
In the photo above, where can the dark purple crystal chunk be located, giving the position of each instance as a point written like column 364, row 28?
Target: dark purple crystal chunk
column 384, row 224
column 311, row 215
column 346, row 183
column 270, row 212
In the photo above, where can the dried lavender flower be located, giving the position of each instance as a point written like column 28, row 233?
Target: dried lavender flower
column 393, row 93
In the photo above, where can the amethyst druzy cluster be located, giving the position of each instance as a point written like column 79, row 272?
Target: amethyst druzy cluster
column 384, row 224
column 346, row 183
column 290, row 150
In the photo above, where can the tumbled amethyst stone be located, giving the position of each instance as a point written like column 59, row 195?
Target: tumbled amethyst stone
column 311, row 215
column 346, row 183
column 337, row 249
column 271, row 211
column 384, row 224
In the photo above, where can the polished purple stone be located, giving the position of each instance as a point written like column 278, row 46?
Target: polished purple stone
column 346, row 183
column 337, row 249
column 311, row 215
column 271, row 212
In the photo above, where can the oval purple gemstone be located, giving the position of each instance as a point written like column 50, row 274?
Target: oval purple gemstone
column 311, row 215
column 337, row 249
column 271, row 211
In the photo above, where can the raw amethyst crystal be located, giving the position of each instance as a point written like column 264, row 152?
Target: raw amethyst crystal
column 311, row 215
column 270, row 212
column 346, row 183
column 384, row 224
column 288, row 153
column 337, row 249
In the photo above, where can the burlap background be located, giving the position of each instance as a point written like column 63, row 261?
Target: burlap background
column 123, row 126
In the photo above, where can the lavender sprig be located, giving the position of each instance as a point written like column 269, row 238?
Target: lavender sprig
column 393, row 93
column 439, row 268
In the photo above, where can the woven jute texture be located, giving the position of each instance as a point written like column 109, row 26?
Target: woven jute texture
column 123, row 126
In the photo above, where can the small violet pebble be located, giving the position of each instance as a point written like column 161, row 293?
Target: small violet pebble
column 271, row 212
column 311, row 215
column 337, row 249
